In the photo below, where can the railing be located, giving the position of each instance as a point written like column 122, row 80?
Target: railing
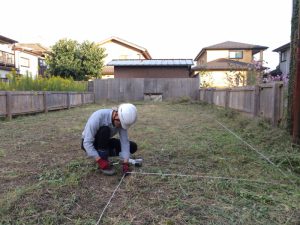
column 7, row 59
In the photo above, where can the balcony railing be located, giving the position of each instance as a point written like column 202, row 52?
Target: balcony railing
column 7, row 59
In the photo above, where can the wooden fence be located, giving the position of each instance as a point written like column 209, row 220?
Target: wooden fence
column 136, row 89
column 26, row 102
column 265, row 100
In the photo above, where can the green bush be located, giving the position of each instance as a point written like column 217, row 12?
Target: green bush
column 27, row 83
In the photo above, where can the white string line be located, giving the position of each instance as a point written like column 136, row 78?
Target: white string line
column 250, row 146
column 179, row 175
column 113, row 194
column 205, row 177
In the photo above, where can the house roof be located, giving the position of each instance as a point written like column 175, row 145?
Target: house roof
column 231, row 45
column 151, row 62
column 127, row 44
column 34, row 48
column 282, row 48
column 224, row 64
column 6, row 40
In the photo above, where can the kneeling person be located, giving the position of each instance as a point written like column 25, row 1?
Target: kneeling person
column 97, row 135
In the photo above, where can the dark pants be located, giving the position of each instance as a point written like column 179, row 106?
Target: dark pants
column 110, row 146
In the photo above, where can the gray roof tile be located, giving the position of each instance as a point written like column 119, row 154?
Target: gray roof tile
column 151, row 62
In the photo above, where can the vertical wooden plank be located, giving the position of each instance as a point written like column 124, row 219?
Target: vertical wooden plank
column 256, row 99
column 68, row 100
column 276, row 104
column 82, row 98
column 227, row 90
column 8, row 105
column 45, row 101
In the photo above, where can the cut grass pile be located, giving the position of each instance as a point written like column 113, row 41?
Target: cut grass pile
column 46, row 179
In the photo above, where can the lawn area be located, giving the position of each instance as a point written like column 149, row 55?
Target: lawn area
column 196, row 170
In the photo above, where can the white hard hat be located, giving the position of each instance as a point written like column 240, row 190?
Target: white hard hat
column 127, row 114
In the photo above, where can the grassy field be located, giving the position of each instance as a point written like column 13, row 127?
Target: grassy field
column 46, row 178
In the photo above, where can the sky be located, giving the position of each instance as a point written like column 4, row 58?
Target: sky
column 166, row 28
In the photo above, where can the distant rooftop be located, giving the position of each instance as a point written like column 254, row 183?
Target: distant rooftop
column 128, row 44
column 231, row 45
column 282, row 48
column 151, row 62
column 6, row 40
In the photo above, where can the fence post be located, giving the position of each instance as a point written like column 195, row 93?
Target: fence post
column 82, row 98
column 256, row 98
column 227, row 98
column 276, row 104
column 212, row 96
column 45, row 98
column 8, row 105
column 68, row 100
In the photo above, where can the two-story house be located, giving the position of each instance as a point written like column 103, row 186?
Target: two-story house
column 284, row 58
column 117, row 48
column 228, row 64
column 30, row 58
column 7, row 56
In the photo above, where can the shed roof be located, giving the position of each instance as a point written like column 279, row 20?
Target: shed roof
column 151, row 62
column 231, row 45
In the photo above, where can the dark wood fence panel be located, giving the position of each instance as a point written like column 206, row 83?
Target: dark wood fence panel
column 265, row 100
column 134, row 89
column 26, row 102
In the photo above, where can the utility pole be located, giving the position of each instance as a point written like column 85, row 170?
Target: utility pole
column 296, row 92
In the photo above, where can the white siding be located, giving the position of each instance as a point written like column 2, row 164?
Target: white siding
column 33, row 64
column 285, row 66
column 116, row 51
column 216, row 54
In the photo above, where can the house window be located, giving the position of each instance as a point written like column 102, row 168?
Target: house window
column 24, row 62
column 283, row 56
column 235, row 54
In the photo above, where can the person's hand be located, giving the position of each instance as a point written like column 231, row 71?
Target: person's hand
column 103, row 164
column 126, row 168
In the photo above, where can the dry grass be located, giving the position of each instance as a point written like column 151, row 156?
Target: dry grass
column 45, row 178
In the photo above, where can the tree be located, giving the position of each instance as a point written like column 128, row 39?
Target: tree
column 71, row 59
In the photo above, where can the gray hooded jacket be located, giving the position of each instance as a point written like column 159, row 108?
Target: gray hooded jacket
column 103, row 117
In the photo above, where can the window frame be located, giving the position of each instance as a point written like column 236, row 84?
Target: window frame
column 283, row 56
column 23, row 60
column 235, row 54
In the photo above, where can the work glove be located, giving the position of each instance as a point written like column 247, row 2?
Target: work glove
column 103, row 164
column 126, row 168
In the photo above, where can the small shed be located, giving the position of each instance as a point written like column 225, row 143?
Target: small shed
column 152, row 68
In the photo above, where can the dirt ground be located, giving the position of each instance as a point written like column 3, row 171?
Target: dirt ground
column 47, row 179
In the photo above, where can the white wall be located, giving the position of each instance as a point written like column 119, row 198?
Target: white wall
column 285, row 66
column 6, row 48
column 33, row 64
column 213, row 55
column 116, row 51
column 3, row 73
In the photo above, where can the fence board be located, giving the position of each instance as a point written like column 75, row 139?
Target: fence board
column 265, row 100
column 134, row 89
column 26, row 102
